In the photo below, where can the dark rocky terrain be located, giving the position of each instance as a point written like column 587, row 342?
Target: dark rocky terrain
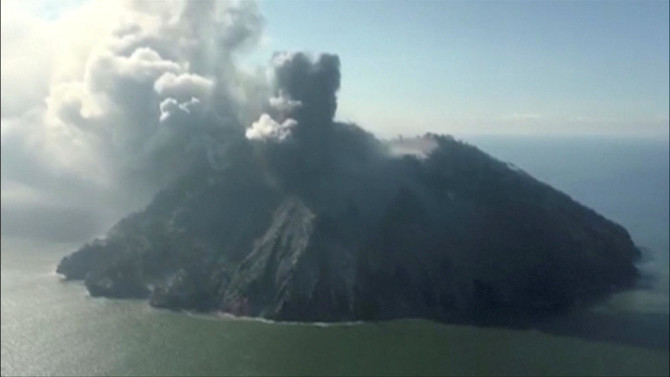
column 330, row 225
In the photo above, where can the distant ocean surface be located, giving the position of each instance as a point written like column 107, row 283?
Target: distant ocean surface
column 50, row 327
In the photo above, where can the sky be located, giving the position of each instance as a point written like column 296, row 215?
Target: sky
column 489, row 67
column 103, row 102
column 480, row 67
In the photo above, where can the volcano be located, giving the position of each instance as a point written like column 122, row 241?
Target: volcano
column 312, row 219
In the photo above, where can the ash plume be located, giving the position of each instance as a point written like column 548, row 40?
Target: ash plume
column 300, row 137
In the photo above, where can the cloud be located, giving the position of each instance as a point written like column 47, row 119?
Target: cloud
column 183, row 86
column 266, row 128
column 25, row 49
column 133, row 95
column 170, row 108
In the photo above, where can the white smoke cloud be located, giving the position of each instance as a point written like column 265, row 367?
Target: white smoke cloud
column 268, row 129
column 107, row 103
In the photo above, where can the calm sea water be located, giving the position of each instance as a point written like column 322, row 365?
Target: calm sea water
column 50, row 327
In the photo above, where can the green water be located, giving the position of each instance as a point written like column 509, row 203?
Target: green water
column 50, row 327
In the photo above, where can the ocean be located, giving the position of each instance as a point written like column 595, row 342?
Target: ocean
column 52, row 327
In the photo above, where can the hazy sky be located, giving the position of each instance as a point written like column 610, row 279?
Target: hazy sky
column 489, row 67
